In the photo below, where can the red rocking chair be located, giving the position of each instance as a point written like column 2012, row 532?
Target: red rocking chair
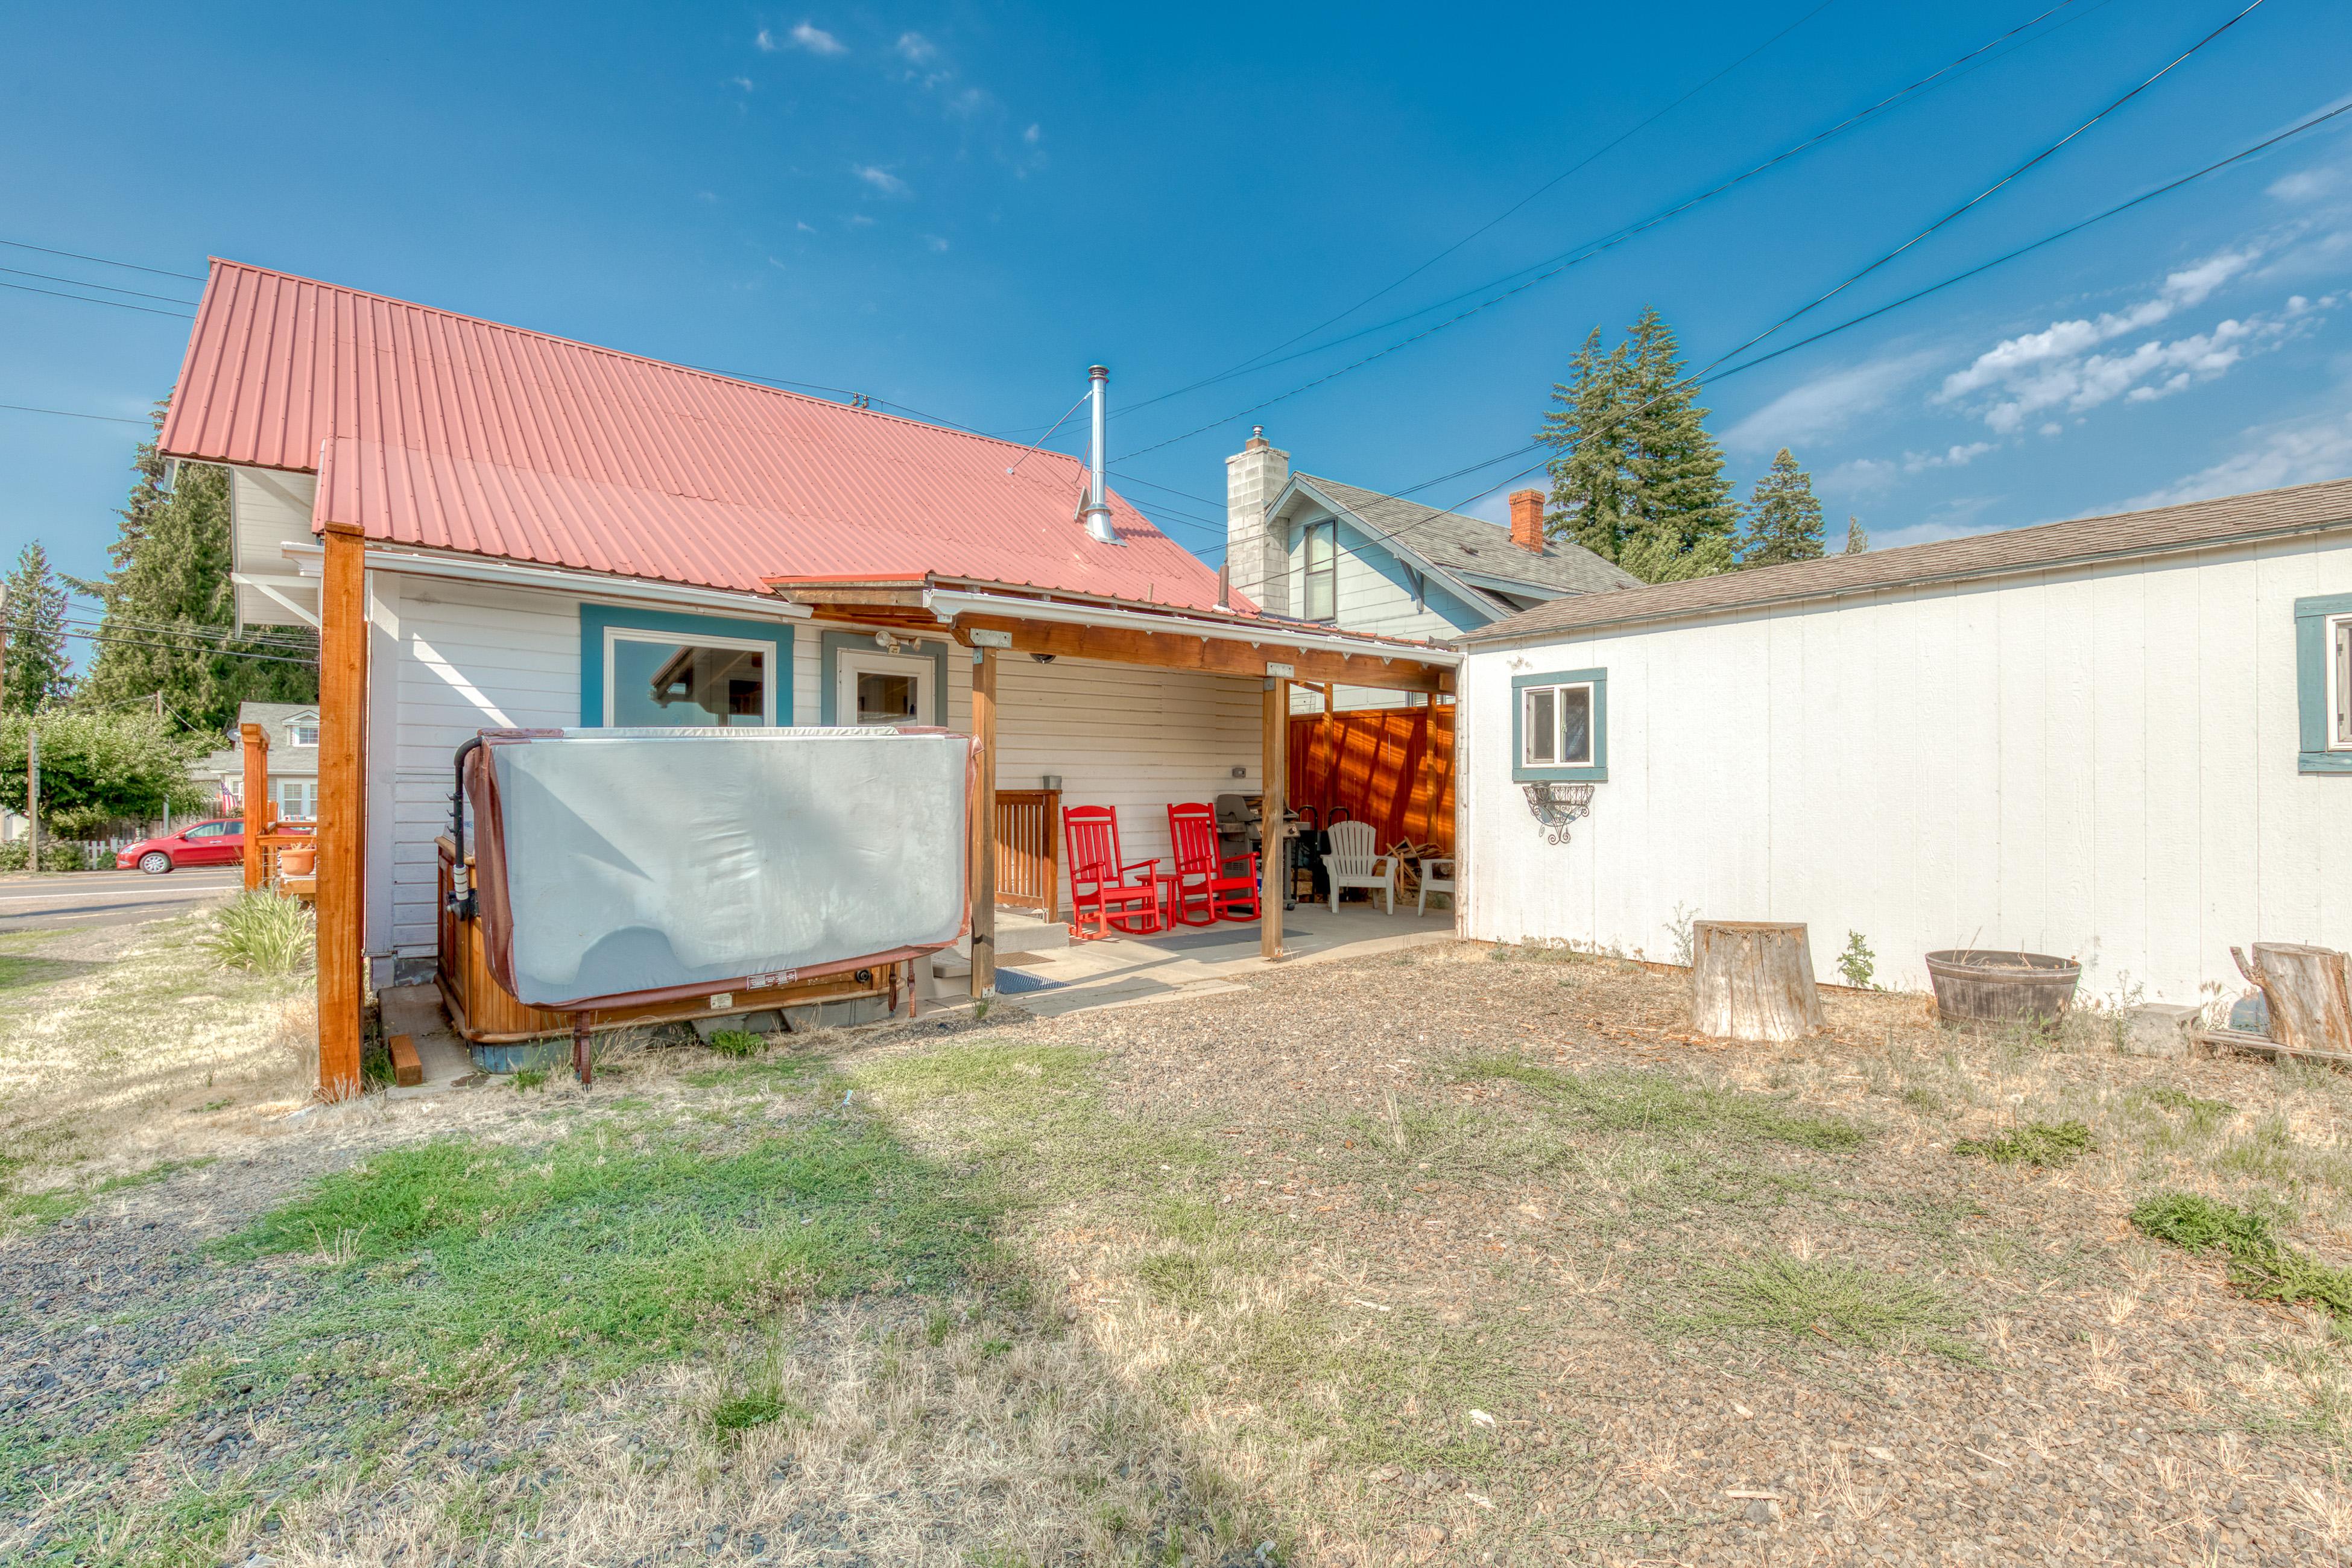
column 1206, row 888
column 1099, row 887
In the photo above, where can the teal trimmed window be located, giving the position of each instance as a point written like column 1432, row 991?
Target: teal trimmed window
column 664, row 670
column 1559, row 727
column 2323, row 683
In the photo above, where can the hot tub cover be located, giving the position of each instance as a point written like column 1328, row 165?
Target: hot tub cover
column 626, row 865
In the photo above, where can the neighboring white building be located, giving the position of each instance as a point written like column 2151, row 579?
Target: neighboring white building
column 1321, row 551
column 2125, row 739
column 293, row 731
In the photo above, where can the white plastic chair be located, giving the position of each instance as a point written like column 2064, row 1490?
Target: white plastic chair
column 1430, row 882
column 1352, row 864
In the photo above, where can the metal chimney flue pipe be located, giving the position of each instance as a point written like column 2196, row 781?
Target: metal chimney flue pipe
column 1098, row 524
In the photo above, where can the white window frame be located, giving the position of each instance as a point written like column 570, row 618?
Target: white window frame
column 2333, row 632
column 1330, row 529
column 768, row 675
column 278, row 788
column 850, row 663
column 1528, row 695
column 296, row 729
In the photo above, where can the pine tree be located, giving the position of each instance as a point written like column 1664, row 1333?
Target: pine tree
column 38, row 674
column 1639, row 481
column 1857, row 538
column 1784, row 518
column 171, row 609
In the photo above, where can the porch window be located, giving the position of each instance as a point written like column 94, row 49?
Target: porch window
column 664, row 669
column 298, row 799
column 1322, row 552
column 2323, row 660
column 885, row 688
column 1559, row 727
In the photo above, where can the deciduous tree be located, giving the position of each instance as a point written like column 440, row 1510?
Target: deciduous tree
column 99, row 767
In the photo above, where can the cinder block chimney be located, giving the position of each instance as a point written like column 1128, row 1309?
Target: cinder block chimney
column 1255, row 559
column 1527, row 520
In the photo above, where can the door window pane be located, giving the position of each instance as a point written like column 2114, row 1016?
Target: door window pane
column 1540, row 726
column 679, row 685
column 1576, row 725
column 886, row 699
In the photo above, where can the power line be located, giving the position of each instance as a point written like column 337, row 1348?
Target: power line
column 168, row 648
column 1577, row 168
column 1574, row 256
column 118, row 304
column 1693, row 381
column 69, row 414
column 103, row 288
column 101, row 260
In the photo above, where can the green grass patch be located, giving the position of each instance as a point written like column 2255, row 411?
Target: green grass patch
column 1659, row 1104
column 1833, row 1301
column 530, row 1078
column 739, row 1043
column 609, row 1248
column 2049, row 1143
column 47, row 1208
column 746, row 1411
column 1007, row 1076
column 2260, row 1263
column 2203, row 1115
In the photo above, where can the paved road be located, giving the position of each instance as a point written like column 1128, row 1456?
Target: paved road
column 65, row 899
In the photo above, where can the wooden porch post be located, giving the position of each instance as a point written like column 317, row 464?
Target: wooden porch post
column 984, row 826
column 343, row 708
column 256, row 796
column 1274, row 754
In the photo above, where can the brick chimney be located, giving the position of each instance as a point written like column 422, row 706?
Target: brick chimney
column 1527, row 520
column 1258, row 564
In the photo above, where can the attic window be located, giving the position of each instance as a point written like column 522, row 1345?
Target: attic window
column 1322, row 597
column 302, row 733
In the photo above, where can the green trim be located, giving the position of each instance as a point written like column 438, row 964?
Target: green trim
column 829, row 645
column 1599, row 770
column 2311, row 618
column 596, row 619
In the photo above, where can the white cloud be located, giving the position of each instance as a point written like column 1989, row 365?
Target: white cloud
column 1863, row 474
column 936, row 243
column 916, row 49
column 807, row 35
column 742, row 81
column 859, row 220
column 1825, row 404
column 2304, row 184
column 1956, row 457
column 881, row 179
column 805, row 227
column 970, row 100
column 1033, row 136
column 2300, row 453
column 709, row 198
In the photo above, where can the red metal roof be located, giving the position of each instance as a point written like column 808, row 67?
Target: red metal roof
column 434, row 429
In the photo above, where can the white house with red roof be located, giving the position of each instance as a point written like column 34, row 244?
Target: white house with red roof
column 552, row 534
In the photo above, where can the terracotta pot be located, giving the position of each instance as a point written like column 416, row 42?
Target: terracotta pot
column 296, row 862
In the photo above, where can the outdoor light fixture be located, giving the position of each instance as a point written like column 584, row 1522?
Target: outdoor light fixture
column 1558, row 805
column 886, row 642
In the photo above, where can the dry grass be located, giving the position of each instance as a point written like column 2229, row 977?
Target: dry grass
column 124, row 1048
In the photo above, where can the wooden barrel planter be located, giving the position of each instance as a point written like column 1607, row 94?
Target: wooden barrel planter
column 1983, row 985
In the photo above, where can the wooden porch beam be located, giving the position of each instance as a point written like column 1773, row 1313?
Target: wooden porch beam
column 984, row 826
column 1274, row 843
column 257, row 798
column 1216, row 655
column 343, row 730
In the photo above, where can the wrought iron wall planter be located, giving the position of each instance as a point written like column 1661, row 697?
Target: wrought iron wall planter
column 1556, row 806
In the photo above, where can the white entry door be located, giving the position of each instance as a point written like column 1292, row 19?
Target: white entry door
column 885, row 688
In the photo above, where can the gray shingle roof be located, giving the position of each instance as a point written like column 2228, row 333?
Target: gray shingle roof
column 1459, row 543
column 2303, row 509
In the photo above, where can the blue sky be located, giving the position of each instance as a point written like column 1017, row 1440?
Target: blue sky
column 956, row 210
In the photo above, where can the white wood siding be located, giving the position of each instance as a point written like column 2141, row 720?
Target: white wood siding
column 2098, row 762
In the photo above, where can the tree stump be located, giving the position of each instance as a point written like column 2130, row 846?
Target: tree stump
column 1753, row 980
column 2311, row 1008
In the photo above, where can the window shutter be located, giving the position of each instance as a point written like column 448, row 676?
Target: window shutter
column 2314, row 723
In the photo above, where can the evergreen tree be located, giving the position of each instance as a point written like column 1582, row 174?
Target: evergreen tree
column 1857, row 538
column 171, row 605
column 1639, row 481
column 1784, row 518
column 38, row 674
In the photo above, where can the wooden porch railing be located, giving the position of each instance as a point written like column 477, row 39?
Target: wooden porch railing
column 1029, row 850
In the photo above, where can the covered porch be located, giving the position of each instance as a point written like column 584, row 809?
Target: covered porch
column 1061, row 692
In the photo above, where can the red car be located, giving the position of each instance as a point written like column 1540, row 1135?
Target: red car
column 220, row 842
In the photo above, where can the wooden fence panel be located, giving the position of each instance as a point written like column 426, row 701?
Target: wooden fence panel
column 1392, row 767
column 1029, row 850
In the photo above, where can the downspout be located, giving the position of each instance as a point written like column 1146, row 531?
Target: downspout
column 461, row 879
column 1098, row 526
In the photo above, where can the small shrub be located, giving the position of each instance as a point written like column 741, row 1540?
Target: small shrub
column 2261, row 1266
column 2036, row 1144
column 1686, row 938
column 737, row 1043
column 262, row 932
column 1857, row 963
column 530, row 1078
